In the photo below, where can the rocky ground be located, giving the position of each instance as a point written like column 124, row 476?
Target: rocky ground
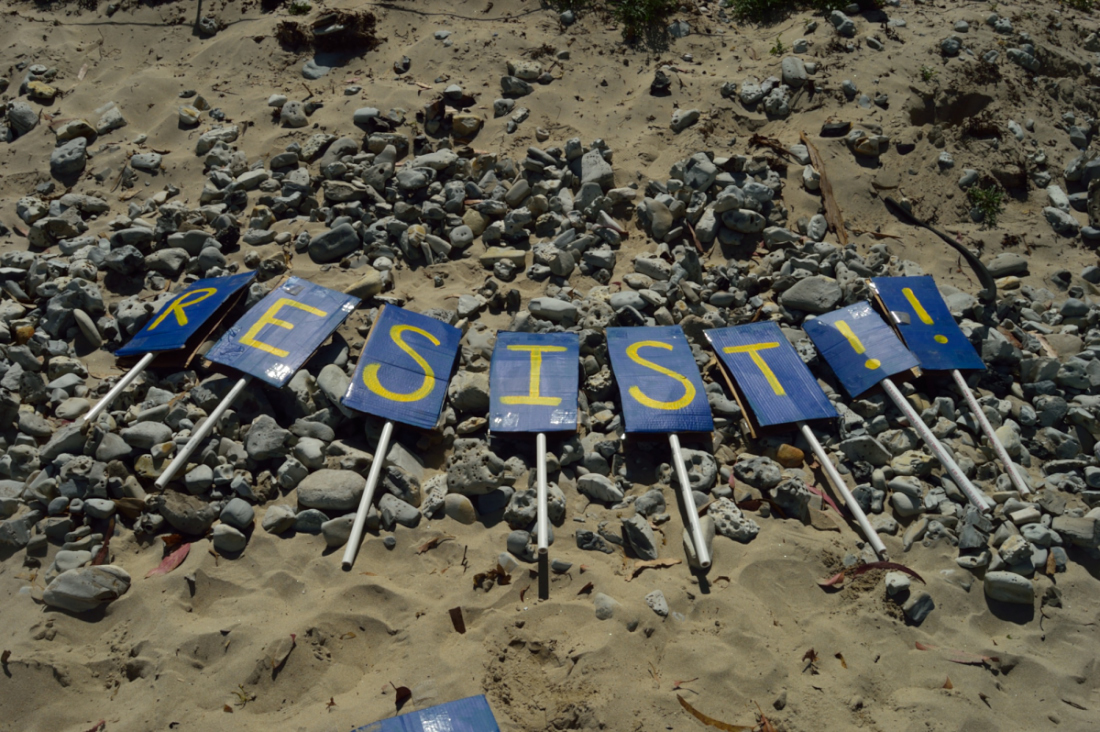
column 510, row 166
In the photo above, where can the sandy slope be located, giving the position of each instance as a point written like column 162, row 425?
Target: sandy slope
column 176, row 650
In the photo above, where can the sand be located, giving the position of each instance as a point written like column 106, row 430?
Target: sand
column 191, row 650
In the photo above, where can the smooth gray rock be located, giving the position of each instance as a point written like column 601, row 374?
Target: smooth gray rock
column 144, row 435
column 228, row 540
column 84, row 589
column 238, row 513
column 599, row 488
column 99, row 508
column 331, row 490
column 918, row 607
column 595, row 169
column 817, row 294
column 640, row 537
column 396, row 511
column 278, row 519
column 1009, row 587
column 334, row 244
column 605, row 606
column 337, row 531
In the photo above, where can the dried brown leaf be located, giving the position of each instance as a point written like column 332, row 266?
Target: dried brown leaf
column 227, row 708
column 711, row 721
column 586, row 589
column 171, row 540
column 331, row 702
column 457, row 620
column 922, row 647
column 947, row 684
column 840, row 657
column 131, row 508
column 676, row 684
column 403, row 695
column 522, row 593
column 810, row 655
column 645, row 564
column 170, row 562
column 100, row 725
column 433, row 543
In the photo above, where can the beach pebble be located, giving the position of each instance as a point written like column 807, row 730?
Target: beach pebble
column 1009, row 587
column 87, row 588
column 639, row 536
column 337, row 531
column 897, row 583
column 657, row 603
column 918, row 607
column 228, row 540
column 605, row 606
column 278, row 519
column 238, row 514
column 331, row 490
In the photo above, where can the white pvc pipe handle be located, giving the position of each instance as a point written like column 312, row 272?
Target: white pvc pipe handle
column 987, row 428
column 117, row 389
column 842, row 488
column 979, row 499
column 368, row 496
column 542, row 490
column 202, row 432
column 694, row 528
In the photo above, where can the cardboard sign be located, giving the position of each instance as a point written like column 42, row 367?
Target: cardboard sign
column 659, row 383
column 925, row 323
column 184, row 314
column 533, row 381
column 859, row 346
column 471, row 714
column 770, row 374
column 278, row 335
column 405, row 367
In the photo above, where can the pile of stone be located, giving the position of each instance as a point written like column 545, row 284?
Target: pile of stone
column 300, row 456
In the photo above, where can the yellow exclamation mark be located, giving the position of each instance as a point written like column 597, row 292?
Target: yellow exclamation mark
column 921, row 312
column 857, row 344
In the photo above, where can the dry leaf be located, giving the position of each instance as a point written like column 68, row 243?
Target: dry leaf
column 676, row 684
column 171, row 540
column 403, row 695
column 947, row 684
column 100, row 725
column 765, row 723
column 711, row 721
column 227, row 708
column 985, row 698
column 4, row 657
column 922, row 647
column 643, row 565
column 331, row 702
column 433, row 543
column 522, row 593
column 824, row 496
column 840, row 657
column 170, row 562
column 456, row 619
column 586, row 589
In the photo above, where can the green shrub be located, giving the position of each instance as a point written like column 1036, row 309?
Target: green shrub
column 641, row 16
column 989, row 200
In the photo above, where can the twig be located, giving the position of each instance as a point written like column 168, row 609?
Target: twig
column 832, row 210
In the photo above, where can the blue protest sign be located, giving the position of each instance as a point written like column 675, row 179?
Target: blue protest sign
column 184, row 314
column 770, row 374
column 925, row 323
column 275, row 337
column 471, row 714
column 405, row 367
column 659, row 383
column 859, row 346
column 533, row 382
